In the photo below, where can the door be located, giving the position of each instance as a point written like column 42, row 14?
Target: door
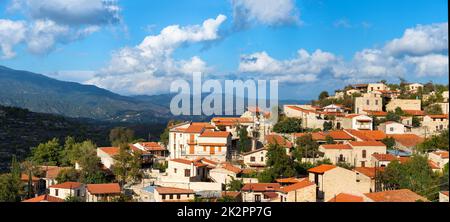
column 257, row 198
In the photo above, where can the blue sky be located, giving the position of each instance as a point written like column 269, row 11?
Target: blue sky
column 357, row 41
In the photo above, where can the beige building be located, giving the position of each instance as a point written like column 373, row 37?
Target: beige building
column 443, row 196
column 355, row 153
column 302, row 191
column 68, row 189
column 261, row 192
column 102, row 192
column 184, row 171
column 376, row 87
column 332, row 180
column 311, row 118
column 414, row 87
column 368, row 102
column 357, row 122
column 404, row 104
column 256, row 158
column 391, row 127
column 434, row 124
column 106, row 155
column 172, row 194
column 438, row 159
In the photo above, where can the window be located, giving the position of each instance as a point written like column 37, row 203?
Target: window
column 187, row 173
column 56, row 192
column 363, row 163
column 392, row 129
column 368, row 102
column 175, row 170
column 376, row 102
column 364, row 154
column 257, row 198
column 178, row 196
column 252, row 159
column 78, row 193
column 171, row 196
column 163, row 196
column 262, row 159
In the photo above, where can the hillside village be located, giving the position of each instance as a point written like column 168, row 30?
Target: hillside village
column 365, row 143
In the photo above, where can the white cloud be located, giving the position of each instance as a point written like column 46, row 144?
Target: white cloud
column 11, row 34
column 429, row 65
column 305, row 67
column 149, row 66
column 421, row 40
column 267, row 12
column 70, row 12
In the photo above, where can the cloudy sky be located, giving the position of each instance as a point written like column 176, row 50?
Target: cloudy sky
column 139, row 47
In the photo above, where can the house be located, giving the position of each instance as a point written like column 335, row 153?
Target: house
column 368, row 101
column 44, row 198
column 438, row 159
column 366, row 178
column 406, row 142
column 154, row 149
column 302, row 191
column 357, row 122
column 68, row 189
column 230, row 124
column 311, row 118
column 350, row 92
column 403, row 195
column 273, row 139
column 414, row 87
column 102, row 192
column 443, row 196
column 353, row 152
column 185, row 171
column 235, row 195
column 51, row 172
column 361, row 87
column 38, row 184
column 224, row 173
column 382, row 160
column 255, row 159
column 331, row 180
column 333, row 108
column 404, row 104
column 376, row 87
column 263, row 123
column 339, row 136
column 106, row 155
column 197, row 140
column 261, row 192
column 345, row 197
column 392, row 127
column 434, row 124
column 172, row 194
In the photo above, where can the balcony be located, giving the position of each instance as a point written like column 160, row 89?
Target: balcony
column 363, row 127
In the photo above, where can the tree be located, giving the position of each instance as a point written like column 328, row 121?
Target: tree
column 416, row 121
column 235, row 185
column 329, row 140
column 47, row 153
column 121, row 135
column 288, row 125
column 392, row 116
column 90, row 164
column 67, row 175
column 389, row 142
column 127, row 166
column 434, row 109
column 278, row 162
column 327, row 125
column 244, row 140
column 11, row 186
column 416, row 175
column 436, row 142
column 444, row 178
column 306, row 147
column 69, row 151
column 345, row 165
column 323, row 95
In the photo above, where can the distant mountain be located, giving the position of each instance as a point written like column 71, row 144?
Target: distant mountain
column 39, row 93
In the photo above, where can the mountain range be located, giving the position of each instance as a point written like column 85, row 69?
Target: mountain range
column 42, row 94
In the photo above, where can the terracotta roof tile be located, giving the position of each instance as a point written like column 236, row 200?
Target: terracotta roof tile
column 369, row 171
column 408, row 140
column 43, row 198
column 297, row 186
column 403, row 195
column 321, row 169
column 218, row 134
column 442, row 154
column 414, row 112
column 337, row 146
column 230, row 167
column 261, row 187
column 173, row 190
column 384, row 157
column 277, row 139
column 366, row 143
column 108, row 188
column 344, row 197
column 67, row 185
column 112, row 151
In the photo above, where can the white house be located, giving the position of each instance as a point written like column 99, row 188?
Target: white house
column 68, row 189
column 391, row 127
column 173, row 194
column 414, row 87
column 185, row 171
column 256, row 158
column 355, row 153
column 438, row 158
column 261, row 192
column 376, row 87
column 224, row 173
column 106, row 155
column 102, row 192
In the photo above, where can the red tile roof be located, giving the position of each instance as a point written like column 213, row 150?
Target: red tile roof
column 254, row 151
column 108, row 188
column 403, row 195
column 231, row 167
column 230, row 121
column 369, row 171
column 375, row 113
column 337, row 146
column 445, row 193
column 51, row 172
column 288, row 180
column 438, row 116
column 194, row 129
column 25, row 177
column 442, row 154
column 366, row 143
column 339, row 135
column 173, row 190
column 188, row 162
column 261, row 187
column 152, row 146
column 277, row 139
column 414, row 112
column 344, row 197
column 408, row 140
column 433, row 165
column 321, row 169
column 297, row 186
column 367, row 135
column 67, row 185
column 112, row 151
column 384, row 157
column 217, row 134
column 43, row 198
